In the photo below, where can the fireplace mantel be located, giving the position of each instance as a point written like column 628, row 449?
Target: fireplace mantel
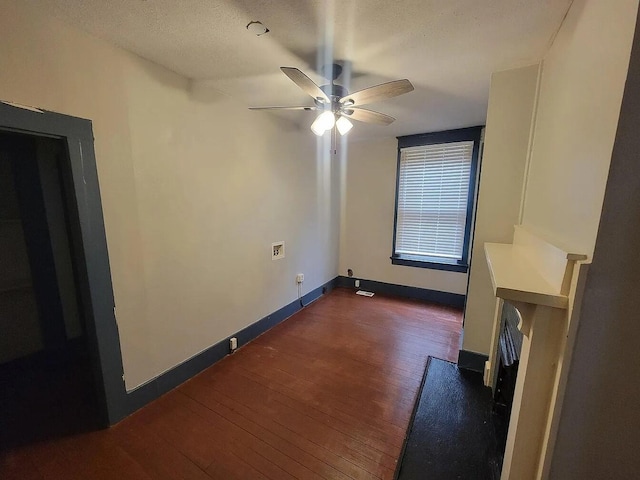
column 514, row 278
column 534, row 276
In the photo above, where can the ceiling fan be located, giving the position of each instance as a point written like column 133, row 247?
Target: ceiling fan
column 338, row 105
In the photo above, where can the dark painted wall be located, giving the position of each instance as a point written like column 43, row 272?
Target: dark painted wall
column 48, row 152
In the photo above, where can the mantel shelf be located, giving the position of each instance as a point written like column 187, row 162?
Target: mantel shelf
column 516, row 279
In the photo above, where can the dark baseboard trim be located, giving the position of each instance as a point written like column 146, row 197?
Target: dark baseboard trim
column 472, row 361
column 434, row 296
column 170, row 379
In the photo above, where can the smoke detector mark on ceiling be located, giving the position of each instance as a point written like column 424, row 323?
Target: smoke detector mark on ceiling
column 257, row 28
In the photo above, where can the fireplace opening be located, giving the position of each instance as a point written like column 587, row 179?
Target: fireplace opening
column 509, row 347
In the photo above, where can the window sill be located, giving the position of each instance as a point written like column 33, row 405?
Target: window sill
column 430, row 262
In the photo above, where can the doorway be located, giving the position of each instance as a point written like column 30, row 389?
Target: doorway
column 60, row 360
column 45, row 373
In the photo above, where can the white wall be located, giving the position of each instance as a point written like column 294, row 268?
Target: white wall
column 193, row 192
column 506, row 146
column 580, row 94
column 598, row 432
column 579, row 100
column 579, row 103
column 367, row 224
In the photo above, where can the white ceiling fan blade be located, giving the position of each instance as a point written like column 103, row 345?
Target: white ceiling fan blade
column 305, row 83
column 284, row 108
column 378, row 92
column 368, row 116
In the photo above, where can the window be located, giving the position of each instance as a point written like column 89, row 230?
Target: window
column 435, row 194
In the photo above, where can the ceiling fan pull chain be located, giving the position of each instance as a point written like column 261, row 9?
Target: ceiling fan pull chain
column 334, row 138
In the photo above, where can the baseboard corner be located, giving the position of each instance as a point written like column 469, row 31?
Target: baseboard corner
column 473, row 361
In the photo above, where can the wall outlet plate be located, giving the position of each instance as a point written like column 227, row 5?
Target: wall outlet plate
column 300, row 278
column 277, row 250
column 233, row 344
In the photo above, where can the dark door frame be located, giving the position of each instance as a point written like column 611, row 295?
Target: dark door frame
column 89, row 245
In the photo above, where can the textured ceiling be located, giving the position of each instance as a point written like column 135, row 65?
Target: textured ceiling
column 447, row 48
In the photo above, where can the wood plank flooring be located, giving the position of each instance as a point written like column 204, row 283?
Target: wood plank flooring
column 327, row 394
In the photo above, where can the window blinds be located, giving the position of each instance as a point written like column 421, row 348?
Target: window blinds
column 433, row 189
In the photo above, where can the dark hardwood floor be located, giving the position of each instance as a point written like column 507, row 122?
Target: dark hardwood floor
column 327, row 394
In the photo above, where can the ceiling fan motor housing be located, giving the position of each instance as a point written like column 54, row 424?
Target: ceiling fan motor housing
column 334, row 92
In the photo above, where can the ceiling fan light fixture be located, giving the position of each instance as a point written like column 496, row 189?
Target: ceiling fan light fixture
column 325, row 121
column 315, row 128
column 344, row 125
